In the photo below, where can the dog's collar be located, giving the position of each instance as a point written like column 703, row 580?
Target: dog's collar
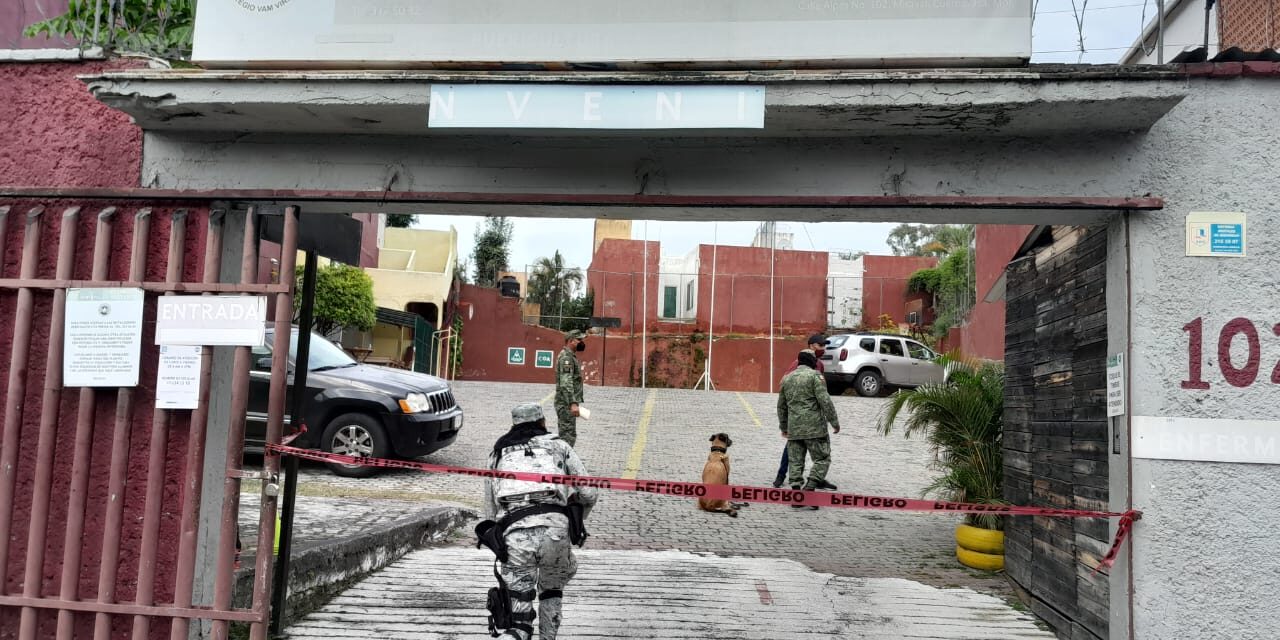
column 720, row 449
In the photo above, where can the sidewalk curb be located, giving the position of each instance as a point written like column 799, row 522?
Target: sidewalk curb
column 320, row 570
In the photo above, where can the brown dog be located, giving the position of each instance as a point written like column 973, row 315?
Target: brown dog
column 716, row 471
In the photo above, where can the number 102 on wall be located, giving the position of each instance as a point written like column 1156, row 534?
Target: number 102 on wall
column 1237, row 374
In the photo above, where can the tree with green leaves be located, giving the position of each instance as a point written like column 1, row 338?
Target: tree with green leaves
column 400, row 220
column 159, row 28
column 492, row 250
column 344, row 298
column 963, row 420
column 553, row 285
column 953, row 285
column 929, row 239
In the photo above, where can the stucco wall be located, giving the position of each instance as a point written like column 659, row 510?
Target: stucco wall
column 56, row 134
column 1206, row 555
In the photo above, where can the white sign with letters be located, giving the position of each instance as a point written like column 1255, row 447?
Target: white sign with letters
column 178, row 377
column 229, row 321
column 565, row 106
column 1206, row 439
column 1115, row 385
column 102, row 339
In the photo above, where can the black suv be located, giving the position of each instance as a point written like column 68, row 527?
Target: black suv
column 356, row 409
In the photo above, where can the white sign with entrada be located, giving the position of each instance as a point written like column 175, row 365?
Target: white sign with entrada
column 102, row 339
column 555, row 34
column 565, row 106
column 237, row 321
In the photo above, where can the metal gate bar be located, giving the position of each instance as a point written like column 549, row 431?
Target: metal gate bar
column 120, row 451
column 17, row 390
column 71, row 551
column 28, row 622
column 49, row 414
column 223, row 583
column 194, row 482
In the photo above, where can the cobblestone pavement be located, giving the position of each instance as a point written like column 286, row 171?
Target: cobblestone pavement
column 663, row 434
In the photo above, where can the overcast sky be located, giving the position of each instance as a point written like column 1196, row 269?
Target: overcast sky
column 1110, row 27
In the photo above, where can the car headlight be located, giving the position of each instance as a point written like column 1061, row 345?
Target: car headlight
column 415, row 403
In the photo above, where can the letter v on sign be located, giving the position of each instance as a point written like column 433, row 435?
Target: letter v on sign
column 517, row 112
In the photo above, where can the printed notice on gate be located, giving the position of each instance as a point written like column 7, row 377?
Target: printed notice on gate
column 102, row 337
column 178, row 377
column 1115, row 385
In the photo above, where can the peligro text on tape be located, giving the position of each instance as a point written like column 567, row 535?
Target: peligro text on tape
column 740, row 493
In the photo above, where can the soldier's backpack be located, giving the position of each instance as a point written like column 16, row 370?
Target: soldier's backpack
column 533, row 456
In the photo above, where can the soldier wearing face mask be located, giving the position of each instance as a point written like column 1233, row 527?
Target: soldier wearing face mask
column 817, row 344
column 569, row 386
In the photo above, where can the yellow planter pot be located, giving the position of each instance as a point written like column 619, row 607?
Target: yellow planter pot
column 979, row 560
column 980, row 540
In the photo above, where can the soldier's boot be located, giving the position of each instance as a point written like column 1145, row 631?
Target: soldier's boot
column 805, row 507
column 823, row 484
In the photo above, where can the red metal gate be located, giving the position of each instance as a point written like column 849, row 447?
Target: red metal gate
column 99, row 491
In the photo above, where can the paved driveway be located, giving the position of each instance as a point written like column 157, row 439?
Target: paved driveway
column 663, row 434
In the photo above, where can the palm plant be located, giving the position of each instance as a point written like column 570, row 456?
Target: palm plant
column 962, row 419
column 552, row 285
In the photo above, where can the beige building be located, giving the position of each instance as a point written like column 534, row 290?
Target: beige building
column 414, row 275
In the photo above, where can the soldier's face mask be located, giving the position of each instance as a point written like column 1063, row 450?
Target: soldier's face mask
column 581, row 346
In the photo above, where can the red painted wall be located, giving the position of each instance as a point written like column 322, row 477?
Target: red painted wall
column 17, row 14
column 491, row 324
column 884, row 285
column 103, row 425
column 614, row 276
column 982, row 334
column 56, row 134
column 742, row 290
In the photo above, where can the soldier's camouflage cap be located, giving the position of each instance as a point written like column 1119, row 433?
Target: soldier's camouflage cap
column 575, row 335
column 526, row 412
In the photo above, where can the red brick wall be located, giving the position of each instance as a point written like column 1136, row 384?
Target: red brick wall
column 884, row 285
column 1252, row 25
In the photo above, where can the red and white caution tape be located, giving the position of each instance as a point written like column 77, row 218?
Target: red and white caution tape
column 739, row 493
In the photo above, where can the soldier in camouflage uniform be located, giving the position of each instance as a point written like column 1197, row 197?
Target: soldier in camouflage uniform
column 569, row 386
column 804, row 409
column 540, row 559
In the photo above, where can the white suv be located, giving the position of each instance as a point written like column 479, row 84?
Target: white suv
column 873, row 362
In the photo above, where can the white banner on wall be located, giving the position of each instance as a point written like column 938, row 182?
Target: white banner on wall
column 1206, row 439
column 557, row 33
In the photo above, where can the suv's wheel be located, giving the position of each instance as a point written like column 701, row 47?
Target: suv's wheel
column 869, row 384
column 355, row 434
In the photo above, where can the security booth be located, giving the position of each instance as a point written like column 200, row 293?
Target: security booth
column 817, row 112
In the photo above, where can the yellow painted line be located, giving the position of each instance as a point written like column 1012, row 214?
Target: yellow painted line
column 548, row 398
column 751, row 412
column 642, row 438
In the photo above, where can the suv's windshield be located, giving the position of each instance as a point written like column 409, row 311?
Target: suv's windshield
column 322, row 354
